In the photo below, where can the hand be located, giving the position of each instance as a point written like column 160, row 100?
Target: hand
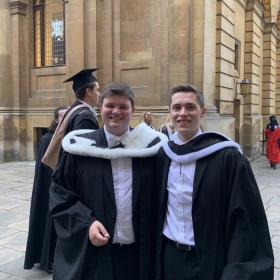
column 98, row 235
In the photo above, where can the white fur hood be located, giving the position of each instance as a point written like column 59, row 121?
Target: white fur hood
column 135, row 144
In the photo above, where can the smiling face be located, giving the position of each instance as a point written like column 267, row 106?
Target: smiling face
column 185, row 113
column 148, row 117
column 116, row 112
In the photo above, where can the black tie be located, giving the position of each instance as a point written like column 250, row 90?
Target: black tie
column 118, row 146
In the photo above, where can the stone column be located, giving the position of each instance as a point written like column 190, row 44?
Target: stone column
column 253, row 69
column 269, row 68
column 90, row 25
column 277, row 81
column 20, row 67
column 74, row 41
column 107, row 42
column 6, row 90
column 225, row 48
column 203, row 55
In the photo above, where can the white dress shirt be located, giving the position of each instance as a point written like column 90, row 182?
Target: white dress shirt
column 178, row 225
column 122, row 179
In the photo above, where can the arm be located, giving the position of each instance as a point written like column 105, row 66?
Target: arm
column 249, row 250
column 73, row 220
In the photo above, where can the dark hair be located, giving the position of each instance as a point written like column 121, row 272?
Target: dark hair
column 117, row 88
column 81, row 92
column 273, row 123
column 54, row 125
column 272, row 117
column 189, row 88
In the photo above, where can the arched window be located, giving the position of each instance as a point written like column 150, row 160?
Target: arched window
column 49, row 38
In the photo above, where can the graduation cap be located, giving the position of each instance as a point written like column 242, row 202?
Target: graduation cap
column 82, row 78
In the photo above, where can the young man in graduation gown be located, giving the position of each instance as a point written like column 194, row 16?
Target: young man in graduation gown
column 80, row 115
column 41, row 238
column 211, row 220
column 102, row 198
column 86, row 88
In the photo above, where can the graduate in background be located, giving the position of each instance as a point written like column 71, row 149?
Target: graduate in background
column 41, row 235
column 80, row 115
column 146, row 117
column 167, row 128
column 272, row 134
column 86, row 89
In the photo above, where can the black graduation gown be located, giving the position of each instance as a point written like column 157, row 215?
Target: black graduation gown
column 230, row 227
column 82, row 191
column 41, row 235
column 82, row 118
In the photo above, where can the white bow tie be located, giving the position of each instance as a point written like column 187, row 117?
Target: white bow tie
column 114, row 140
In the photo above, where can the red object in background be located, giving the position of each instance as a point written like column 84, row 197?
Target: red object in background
column 272, row 148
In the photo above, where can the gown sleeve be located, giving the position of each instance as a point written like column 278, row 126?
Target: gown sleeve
column 72, row 219
column 249, row 249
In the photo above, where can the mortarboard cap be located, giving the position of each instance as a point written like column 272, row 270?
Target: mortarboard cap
column 83, row 77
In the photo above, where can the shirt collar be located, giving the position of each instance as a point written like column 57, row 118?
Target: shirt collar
column 178, row 141
column 86, row 104
column 114, row 140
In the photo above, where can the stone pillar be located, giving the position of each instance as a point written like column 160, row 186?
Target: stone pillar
column 269, row 68
column 253, row 70
column 6, row 90
column 239, row 120
column 74, row 44
column 107, row 42
column 225, row 38
column 5, row 55
column 90, row 25
column 277, row 82
column 20, row 67
column 203, row 55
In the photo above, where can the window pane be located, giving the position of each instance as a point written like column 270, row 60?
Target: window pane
column 54, row 33
column 37, row 19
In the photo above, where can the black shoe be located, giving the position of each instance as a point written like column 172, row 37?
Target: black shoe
column 274, row 165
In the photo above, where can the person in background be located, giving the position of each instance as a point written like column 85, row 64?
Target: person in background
column 272, row 134
column 147, row 118
column 80, row 115
column 211, row 220
column 167, row 128
column 102, row 196
column 41, row 238
column 86, row 89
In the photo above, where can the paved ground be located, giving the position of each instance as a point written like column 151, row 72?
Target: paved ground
column 15, row 191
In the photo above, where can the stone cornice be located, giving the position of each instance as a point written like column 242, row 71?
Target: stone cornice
column 242, row 3
column 256, row 6
column 271, row 28
column 18, row 7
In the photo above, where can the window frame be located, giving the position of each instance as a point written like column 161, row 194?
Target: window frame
column 41, row 8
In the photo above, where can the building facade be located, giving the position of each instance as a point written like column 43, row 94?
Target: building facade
column 152, row 45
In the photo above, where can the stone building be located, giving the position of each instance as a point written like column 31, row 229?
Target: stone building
column 152, row 45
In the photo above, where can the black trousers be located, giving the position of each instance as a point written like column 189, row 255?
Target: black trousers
column 179, row 264
column 125, row 262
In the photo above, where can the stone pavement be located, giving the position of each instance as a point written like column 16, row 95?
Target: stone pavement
column 15, row 191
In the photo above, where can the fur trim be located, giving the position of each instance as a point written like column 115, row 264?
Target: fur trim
column 135, row 144
column 202, row 153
